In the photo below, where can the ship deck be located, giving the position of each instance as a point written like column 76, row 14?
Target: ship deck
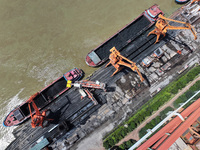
column 120, row 40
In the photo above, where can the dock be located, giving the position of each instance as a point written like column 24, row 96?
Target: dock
column 76, row 118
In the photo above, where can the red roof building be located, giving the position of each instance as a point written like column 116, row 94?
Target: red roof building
column 188, row 130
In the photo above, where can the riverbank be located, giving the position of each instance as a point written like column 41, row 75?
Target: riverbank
column 135, row 133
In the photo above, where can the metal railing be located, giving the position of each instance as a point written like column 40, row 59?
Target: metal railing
column 162, row 122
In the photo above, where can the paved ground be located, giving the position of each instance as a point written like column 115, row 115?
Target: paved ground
column 135, row 133
column 94, row 141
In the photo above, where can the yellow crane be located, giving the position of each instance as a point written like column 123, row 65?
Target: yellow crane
column 162, row 26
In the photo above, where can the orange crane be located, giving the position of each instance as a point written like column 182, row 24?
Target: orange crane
column 85, row 84
column 90, row 95
column 194, row 1
column 38, row 119
column 116, row 59
column 162, row 25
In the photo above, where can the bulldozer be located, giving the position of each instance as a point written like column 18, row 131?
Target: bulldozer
column 117, row 60
column 162, row 26
column 39, row 118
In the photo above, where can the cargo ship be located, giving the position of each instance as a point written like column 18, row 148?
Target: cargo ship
column 21, row 113
column 129, row 33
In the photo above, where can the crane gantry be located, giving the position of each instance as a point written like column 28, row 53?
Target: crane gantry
column 38, row 119
column 162, row 26
column 117, row 60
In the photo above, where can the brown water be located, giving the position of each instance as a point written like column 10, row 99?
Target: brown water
column 41, row 40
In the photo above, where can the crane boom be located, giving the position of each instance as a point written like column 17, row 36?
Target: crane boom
column 116, row 59
column 162, row 17
column 30, row 101
column 87, row 84
column 38, row 118
column 162, row 26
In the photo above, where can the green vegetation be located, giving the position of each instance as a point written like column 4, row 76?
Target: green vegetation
column 183, row 98
column 127, row 144
column 164, row 113
column 147, row 109
column 154, row 121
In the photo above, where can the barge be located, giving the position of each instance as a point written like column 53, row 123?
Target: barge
column 126, row 35
column 21, row 113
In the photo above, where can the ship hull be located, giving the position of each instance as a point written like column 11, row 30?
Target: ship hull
column 48, row 94
column 181, row 1
column 125, row 36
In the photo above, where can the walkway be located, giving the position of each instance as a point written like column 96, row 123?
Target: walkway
column 135, row 133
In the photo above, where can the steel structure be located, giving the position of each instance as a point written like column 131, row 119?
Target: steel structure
column 117, row 60
column 171, row 125
column 162, row 26
column 39, row 118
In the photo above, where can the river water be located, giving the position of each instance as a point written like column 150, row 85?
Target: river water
column 41, row 40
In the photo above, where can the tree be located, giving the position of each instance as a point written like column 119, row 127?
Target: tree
column 122, row 146
column 123, row 133
column 132, row 125
column 128, row 144
column 106, row 144
column 111, row 142
column 153, row 122
column 189, row 94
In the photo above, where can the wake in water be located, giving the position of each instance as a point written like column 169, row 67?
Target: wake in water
column 6, row 136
